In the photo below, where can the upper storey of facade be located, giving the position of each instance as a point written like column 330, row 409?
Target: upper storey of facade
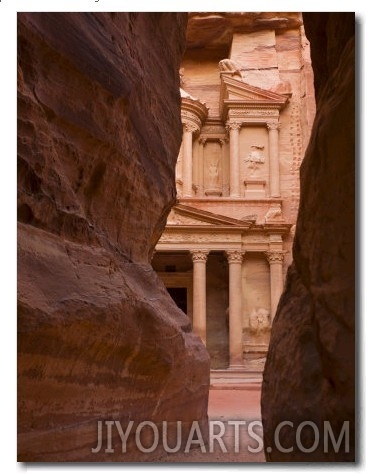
column 247, row 108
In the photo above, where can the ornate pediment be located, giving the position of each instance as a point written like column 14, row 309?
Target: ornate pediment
column 235, row 93
column 188, row 216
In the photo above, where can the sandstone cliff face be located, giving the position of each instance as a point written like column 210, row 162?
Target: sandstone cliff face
column 310, row 369
column 99, row 133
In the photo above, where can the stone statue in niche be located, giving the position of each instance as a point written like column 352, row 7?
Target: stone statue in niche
column 230, row 67
column 274, row 213
column 213, row 174
column 255, row 158
column 259, row 321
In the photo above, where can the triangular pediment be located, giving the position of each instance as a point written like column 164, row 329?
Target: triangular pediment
column 236, row 93
column 188, row 216
column 234, row 89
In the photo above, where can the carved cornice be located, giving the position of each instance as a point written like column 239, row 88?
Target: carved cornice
column 275, row 257
column 235, row 256
column 199, row 255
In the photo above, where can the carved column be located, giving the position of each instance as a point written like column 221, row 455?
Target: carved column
column 234, row 163
column 202, row 143
column 273, row 140
column 235, row 308
column 223, row 168
column 199, row 258
column 275, row 259
column 187, row 163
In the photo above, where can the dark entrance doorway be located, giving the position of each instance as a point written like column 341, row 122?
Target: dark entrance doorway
column 179, row 296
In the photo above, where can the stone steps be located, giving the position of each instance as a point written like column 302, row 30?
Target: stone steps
column 236, row 379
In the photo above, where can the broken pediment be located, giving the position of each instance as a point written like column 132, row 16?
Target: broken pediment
column 182, row 215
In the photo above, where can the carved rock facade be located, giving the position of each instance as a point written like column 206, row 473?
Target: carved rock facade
column 245, row 131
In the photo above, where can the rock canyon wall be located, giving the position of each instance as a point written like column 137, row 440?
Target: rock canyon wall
column 310, row 369
column 99, row 133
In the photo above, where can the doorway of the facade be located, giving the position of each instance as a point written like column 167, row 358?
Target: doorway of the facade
column 179, row 296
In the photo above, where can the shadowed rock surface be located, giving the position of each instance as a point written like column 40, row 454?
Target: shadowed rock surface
column 99, row 133
column 310, row 369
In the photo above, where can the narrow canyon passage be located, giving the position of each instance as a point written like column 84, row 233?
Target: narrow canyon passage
column 171, row 238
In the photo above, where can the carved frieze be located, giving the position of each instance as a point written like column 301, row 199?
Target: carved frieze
column 178, row 237
column 213, row 129
column 254, row 112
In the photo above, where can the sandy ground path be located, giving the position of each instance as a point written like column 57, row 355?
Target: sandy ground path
column 225, row 406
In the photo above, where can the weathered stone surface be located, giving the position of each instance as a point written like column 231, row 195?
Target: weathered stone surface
column 310, row 369
column 99, row 133
column 215, row 29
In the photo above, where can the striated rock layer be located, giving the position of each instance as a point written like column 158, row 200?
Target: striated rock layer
column 310, row 369
column 99, row 132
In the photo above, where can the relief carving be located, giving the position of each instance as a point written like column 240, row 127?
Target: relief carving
column 230, row 67
column 213, row 174
column 274, row 214
column 177, row 219
column 259, row 321
column 178, row 237
column 255, row 113
column 255, row 158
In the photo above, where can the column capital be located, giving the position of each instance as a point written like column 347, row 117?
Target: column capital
column 202, row 140
column 275, row 257
column 235, row 256
column 199, row 255
column 190, row 127
column 273, row 126
column 222, row 141
column 233, row 125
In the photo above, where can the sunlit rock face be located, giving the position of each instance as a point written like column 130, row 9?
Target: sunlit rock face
column 310, row 369
column 99, row 133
